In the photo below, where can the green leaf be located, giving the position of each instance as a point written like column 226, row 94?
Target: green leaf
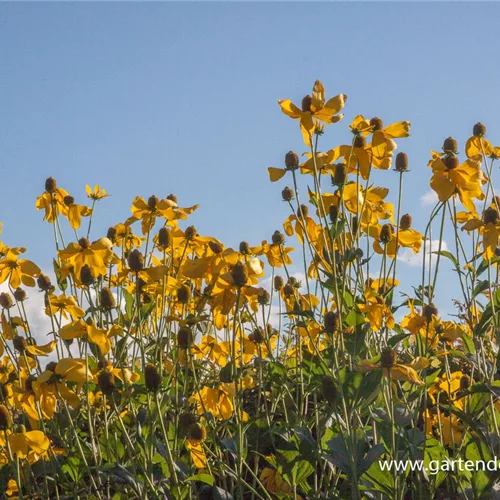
column 204, row 478
column 61, row 283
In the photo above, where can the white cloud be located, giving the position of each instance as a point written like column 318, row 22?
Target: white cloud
column 408, row 256
column 428, row 198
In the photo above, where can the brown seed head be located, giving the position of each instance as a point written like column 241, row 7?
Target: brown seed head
column 287, row 194
column 183, row 294
column 340, row 174
column 490, row 215
column 376, row 123
column 402, row 162
column 405, row 222
column 278, row 283
column 107, row 299
column 69, row 200
column 50, row 185
column 84, row 243
column 263, row 297
column 215, row 247
column 135, row 261
column 44, row 283
column 172, row 197
column 451, row 161
column 152, row 378
column 278, row 238
column 197, row 432
column 479, row 130
column 19, row 343
column 429, row 310
column 239, row 273
column 306, row 103
column 190, row 233
column 186, row 419
column 111, row 234
column 153, row 201
column 302, row 211
column 164, row 237
column 5, row 418
column 334, row 213
column 359, row 141
column 87, row 276
column 386, row 233
column 257, row 335
column 450, row 145
column 291, row 160
column 288, row 290
column 106, row 383
column 184, row 337
column 464, row 382
column 388, row 357
column 331, row 321
column 6, row 300
column 355, row 224
column 20, row 294
column 244, row 248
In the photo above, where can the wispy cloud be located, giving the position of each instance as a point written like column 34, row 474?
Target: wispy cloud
column 408, row 256
column 428, row 198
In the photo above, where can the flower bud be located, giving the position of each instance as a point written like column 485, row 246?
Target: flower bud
column 291, row 160
column 334, row 213
column 135, row 261
column 402, row 162
column 287, row 194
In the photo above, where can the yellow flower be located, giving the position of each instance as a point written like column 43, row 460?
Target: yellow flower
column 314, row 107
column 97, row 193
column 96, row 255
column 17, row 270
column 450, row 178
column 66, row 306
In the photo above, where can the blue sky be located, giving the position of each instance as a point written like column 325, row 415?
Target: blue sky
column 159, row 98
